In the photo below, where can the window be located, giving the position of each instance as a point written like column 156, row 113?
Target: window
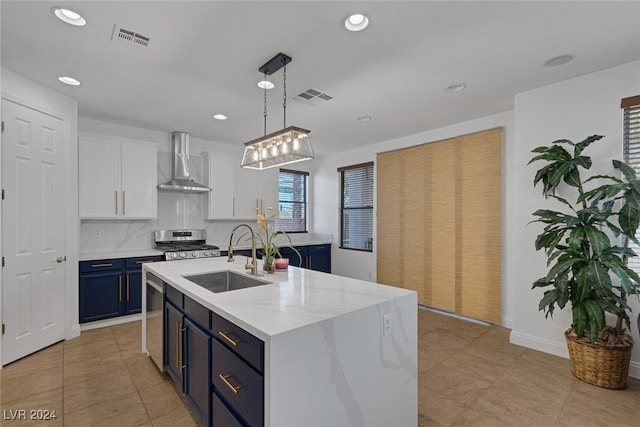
column 356, row 207
column 631, row 147
column 292, row 201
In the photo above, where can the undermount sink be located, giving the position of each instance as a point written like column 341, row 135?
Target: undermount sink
column 223, row 281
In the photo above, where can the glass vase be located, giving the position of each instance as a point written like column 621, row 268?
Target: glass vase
column 267, row 265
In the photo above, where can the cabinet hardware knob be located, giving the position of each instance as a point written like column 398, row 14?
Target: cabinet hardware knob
column 233, row 388
column 61, row 259
column 228, row 338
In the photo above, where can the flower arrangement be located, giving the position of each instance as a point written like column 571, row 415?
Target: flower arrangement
column 269, row 248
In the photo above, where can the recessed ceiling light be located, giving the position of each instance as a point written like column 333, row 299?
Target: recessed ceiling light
column 265, row 84
column 69, row 81
column 69, row 16
column 364, row 118
column 220, row 117
column 558, row 60
column 356, row 22
column 456, row 87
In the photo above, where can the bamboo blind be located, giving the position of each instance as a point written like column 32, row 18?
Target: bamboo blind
column 439, row 223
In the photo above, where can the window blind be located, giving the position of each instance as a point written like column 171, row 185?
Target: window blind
column 631, row 150
column 292, row 201
column 356, row 231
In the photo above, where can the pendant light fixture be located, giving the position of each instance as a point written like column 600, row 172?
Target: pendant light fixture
column 289, row 145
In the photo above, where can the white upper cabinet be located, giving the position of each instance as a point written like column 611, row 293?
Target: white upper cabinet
column 237, row 192
column 117, row 178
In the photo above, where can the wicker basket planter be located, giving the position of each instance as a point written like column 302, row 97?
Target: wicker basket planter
column 606, row 367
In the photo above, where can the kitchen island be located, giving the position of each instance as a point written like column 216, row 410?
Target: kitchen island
column 337, row 351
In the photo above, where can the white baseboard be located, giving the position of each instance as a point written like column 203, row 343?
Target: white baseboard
column 110, row 322
column 557, row 348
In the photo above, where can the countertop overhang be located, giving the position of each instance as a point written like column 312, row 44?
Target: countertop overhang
column 294, row 298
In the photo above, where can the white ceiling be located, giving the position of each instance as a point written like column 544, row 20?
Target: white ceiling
column 204, row 55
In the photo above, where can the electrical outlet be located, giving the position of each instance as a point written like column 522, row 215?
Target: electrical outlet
column 386, row 324
column 135, row 231
column 98, row 233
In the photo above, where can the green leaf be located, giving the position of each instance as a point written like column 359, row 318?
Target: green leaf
column 599, row 241
column 561, row 266
column 548, row 299
column 540, row 283
column 583, row 161
column 572, row 176
column 585, row 143
column 628, row 172
column 632, row 198
column 594, row 313
column 629, row 219
column 562, row 288
column 576, row 236
column 580, row 316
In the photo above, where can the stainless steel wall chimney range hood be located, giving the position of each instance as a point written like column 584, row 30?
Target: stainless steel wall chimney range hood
column 180, row 180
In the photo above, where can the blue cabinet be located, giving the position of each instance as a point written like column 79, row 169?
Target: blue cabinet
column 319, row 258
column 173, row 342
column 216, row 364
column 314, row 257
column 111, row 287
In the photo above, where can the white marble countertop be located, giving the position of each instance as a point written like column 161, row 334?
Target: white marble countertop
column 293, row 299
column 90, row 256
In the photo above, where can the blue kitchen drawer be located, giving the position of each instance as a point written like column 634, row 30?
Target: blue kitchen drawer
column 100, row 265
column 239, row 341
column 238, row 384
column 138, row 261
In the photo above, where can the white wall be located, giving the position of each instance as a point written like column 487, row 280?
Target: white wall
column 362, row 265
column 573, row 109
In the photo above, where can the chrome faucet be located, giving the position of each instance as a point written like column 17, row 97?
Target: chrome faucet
column 253, row 266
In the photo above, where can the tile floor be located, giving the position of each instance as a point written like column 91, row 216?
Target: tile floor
column 469, row 375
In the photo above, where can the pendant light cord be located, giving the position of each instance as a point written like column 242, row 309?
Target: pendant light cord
column 284, row 96
column 265, row 105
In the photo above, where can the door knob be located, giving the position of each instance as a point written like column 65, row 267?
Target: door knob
column 61, row 259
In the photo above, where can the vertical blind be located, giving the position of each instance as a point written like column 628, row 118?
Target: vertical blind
column 631, row 150
column 292, row 201
column 439, row 223
column 356, row 183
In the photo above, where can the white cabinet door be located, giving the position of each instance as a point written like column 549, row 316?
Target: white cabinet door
column 117, row 178
column 139, row 171
column 99, row 178
column 221, row 178
column 269, row 187
column 246, row 193
column 237, row 192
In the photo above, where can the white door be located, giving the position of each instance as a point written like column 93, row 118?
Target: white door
column 33, row 230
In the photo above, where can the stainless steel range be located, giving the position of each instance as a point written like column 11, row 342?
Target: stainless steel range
column 184, row 244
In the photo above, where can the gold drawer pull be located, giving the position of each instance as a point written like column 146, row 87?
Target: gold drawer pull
column 228, row 338
column 226, row 381
column 101, row 265
column 144, row 261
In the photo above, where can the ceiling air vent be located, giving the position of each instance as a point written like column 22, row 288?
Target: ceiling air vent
column 313, row 97
column 122, row 35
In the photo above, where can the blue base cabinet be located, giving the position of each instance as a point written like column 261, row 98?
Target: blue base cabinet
column 111, row 287
column 216, row 364
column 314, row 257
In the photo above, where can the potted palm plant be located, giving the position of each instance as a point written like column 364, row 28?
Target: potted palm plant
column 587, row 261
